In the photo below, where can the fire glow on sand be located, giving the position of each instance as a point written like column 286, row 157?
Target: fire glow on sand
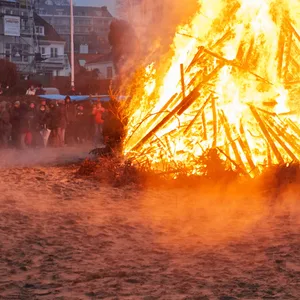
column 231, row 85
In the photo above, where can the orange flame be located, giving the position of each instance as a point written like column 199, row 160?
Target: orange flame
column 240, row 59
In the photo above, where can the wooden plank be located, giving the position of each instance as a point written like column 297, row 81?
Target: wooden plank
column 215, row 121
column 200, row 112
column 204, row 126
column 281, row 45
column 266, row 134
column 231, row 141
column 182, row 81
column 288, row 55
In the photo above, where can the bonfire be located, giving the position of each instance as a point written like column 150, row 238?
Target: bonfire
column 231, row 86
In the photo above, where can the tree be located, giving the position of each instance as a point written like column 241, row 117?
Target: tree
column 124, row 43
column 8, row 73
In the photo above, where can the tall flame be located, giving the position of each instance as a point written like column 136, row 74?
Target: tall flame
column 240, row 59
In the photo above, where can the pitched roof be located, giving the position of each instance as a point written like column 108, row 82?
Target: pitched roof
column 102, row 59
column 50, row 33
column 84, row 57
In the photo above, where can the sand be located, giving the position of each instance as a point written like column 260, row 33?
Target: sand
column 64, row 237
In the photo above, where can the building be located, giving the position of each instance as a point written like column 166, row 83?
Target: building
column 51, row 58
column 17, row 37
column 91, row 25
column 111, row 4
column 103, row 65
column 29, row 41
column 141, row 13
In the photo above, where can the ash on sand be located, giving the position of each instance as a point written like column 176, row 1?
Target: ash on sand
column 65, row 236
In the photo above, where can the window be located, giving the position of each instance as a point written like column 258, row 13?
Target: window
column 109, row 72
column 17, row 52
column 82, row 62
column 40, row 30
column 54, row 52
column 23, row 25
column 42, row 50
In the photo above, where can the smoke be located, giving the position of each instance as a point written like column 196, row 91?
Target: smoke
column 217, row 214
column 155, row 22
column 13, row 158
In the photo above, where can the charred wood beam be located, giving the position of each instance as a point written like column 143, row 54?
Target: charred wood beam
column 182, row 80
column 215, row 121
column 281, row 44
column 231, row 141
column 248, row 55
column 200, row 111
column 266, row 134
column 179, row 109
column 280, row 142
column 245, row 145
column 290, row 139
column 291, row 27
column 235, row 64
column 242, row 171
column 294, row 127
column 156, row 116
column 288, row 56
column 247, row 152
column 204, row 126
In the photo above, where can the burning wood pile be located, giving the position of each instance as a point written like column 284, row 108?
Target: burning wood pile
column 231, row 86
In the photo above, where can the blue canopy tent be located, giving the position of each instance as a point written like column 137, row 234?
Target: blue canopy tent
column 104, row 98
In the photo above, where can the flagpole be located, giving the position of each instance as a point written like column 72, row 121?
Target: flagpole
column 72, row 44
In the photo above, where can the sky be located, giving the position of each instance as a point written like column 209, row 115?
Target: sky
column 111, row 4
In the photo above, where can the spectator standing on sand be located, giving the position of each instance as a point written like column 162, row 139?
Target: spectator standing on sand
column 54, row 123
column 43, row 102
column 43, row 123
column 31, row 91
column 32, row 134
column 40, row 91
column 5, row 126
column 70, row 114
column 98, row 111
column 25, row 137
column 81, row 124
column 15, row 122
column 62, row 124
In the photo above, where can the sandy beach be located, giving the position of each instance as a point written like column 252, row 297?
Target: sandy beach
column 67, row 237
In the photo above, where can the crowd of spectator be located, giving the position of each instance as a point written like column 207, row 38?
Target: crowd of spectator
column 41, row 123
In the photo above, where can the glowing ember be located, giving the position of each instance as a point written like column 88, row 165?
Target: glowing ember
column 240, row 59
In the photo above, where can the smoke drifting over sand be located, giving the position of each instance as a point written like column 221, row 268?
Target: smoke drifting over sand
column 64, row 237
column 32, row 157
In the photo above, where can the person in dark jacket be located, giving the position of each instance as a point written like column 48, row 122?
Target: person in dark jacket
column 70, row 117
column 63, row 123
column 40, row 91
column 54, row 123
column 43, row 102
column 5, row 126
column 81, row 124
column 43, row 119
column 32, row 135
column 25, row 136
column 15, row 120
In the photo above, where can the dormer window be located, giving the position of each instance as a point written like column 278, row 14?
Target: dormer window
column 39, row 30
